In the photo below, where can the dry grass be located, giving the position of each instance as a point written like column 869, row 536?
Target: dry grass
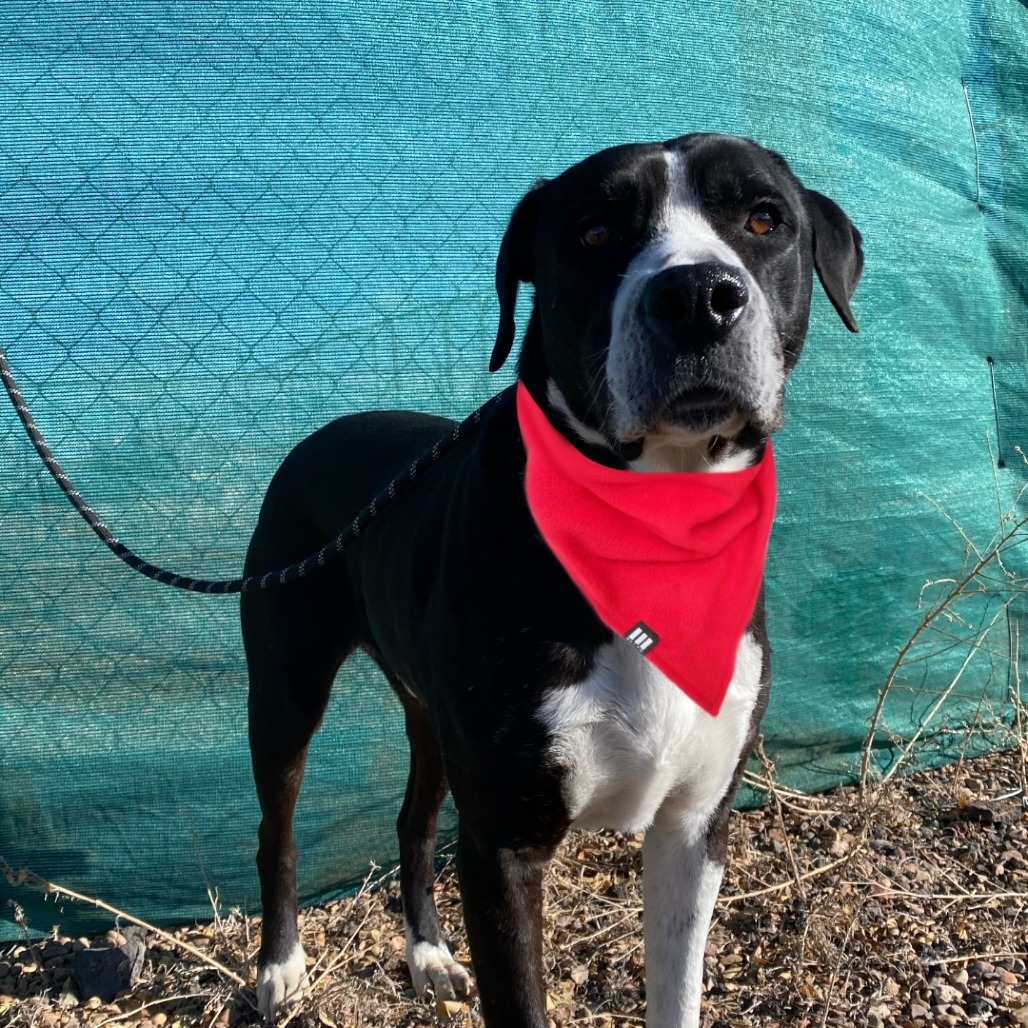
column 901, row 905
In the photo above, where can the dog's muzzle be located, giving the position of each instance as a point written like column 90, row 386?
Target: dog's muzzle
column 693, row 346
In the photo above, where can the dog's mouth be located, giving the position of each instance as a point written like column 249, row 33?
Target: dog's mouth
column 701, row 410
column 686, row 429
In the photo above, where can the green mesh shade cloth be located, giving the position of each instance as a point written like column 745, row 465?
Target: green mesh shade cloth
column 223, row 224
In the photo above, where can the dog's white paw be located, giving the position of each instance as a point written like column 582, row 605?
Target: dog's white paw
column 433, row 965
column 278, row 985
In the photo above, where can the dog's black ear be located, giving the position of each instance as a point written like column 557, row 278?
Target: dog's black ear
column 838, row 256
column 513, row 266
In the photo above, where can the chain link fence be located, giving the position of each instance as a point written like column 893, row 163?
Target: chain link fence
column 223, row 224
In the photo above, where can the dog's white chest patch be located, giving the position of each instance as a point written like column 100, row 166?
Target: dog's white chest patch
column 629, row 739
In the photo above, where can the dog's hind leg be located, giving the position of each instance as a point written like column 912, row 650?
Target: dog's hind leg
column 428, row 957
column 292, row 664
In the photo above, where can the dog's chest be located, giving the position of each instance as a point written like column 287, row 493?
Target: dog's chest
column 628, row 740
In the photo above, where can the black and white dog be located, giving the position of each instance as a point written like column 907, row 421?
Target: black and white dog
column 517, row 698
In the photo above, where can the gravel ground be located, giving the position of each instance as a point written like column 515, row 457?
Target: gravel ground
column 906, row 906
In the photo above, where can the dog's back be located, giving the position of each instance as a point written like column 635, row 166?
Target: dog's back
column 329, row 477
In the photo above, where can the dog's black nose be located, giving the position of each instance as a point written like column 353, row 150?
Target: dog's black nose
column 692, row 306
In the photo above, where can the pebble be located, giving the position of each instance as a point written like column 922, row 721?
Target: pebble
column 945, row 994
column 579, row 975
column 978, row 1005
column 53, row 952
column 68, row 999
column 1020, row 1016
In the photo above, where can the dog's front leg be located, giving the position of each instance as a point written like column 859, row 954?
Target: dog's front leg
column 501, row 886
column 682, row 869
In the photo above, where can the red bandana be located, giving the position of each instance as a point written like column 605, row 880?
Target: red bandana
column 672, row 562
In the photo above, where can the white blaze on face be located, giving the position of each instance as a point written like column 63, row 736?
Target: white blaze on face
column 747, row 364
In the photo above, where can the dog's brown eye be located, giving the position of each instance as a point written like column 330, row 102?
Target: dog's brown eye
column 761, row 222
column 597, row 235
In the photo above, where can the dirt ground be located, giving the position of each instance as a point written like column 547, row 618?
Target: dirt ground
column 902, row 906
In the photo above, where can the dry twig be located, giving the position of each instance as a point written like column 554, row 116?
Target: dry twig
column 25, row 877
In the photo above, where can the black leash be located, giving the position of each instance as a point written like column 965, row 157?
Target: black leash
column 232, row 585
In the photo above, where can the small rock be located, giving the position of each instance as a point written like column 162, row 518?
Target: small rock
column 106, row 972
column 53, row 951
column 68, row 998
column 959, row 977
column 978, row 1006
column 448, row 1008
column 579, row 975
column 1008, row 977
column 1020, row 1016
column 917, row 1010
column 945, row 994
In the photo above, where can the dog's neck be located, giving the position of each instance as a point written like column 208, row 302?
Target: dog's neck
column 664, row 451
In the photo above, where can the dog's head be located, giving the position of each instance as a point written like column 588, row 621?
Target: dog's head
column 672, row 293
